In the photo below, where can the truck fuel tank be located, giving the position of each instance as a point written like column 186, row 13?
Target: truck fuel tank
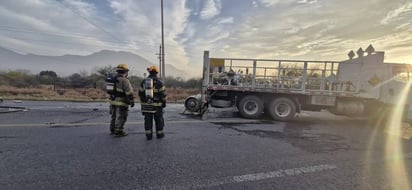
column 348, row 107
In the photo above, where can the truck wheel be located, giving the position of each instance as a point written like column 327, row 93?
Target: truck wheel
column 192, row 104
column 282, row 109
column 250, row 107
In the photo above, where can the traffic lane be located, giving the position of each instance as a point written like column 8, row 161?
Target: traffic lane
column 50, row 157
column 59, row 113
column 193, row 155
column 354, row 148
column 65, row 162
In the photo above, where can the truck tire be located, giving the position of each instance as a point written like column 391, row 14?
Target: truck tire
column 250, row 107
column 282, row 109
column 192, row 104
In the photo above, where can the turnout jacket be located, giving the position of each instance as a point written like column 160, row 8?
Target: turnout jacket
column 124, row 93
column 159, row 95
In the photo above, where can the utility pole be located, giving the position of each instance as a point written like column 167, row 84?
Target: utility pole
column 159, row 55
column 163, row 70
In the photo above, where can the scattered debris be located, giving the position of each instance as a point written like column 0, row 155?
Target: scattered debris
column 10, row 109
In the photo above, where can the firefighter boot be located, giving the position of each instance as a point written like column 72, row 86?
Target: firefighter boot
column 160, row 134
column 149, row 134
column 120, row 133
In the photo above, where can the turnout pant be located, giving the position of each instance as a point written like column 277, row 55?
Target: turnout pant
column 148, row 122
column 119, row 117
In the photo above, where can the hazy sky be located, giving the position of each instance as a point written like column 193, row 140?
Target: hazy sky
column 278, row 29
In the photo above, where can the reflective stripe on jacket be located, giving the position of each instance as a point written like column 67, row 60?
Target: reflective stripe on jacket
column 123, row 86
column 118, row 103
column 151, row 107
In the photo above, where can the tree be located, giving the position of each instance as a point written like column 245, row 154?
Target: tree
column 20, row 78
column 135, row 81
column 47, row 77
column 51, row 74
column 193, row 83
column 77, row 80
column 97, row 78
column 102, row 71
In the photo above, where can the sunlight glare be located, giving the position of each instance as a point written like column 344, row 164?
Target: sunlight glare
column 396, row 171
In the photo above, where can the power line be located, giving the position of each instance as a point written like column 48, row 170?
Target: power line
column 90, row 22
column 12, row 29
column 65, row 42
column 87, row 39
column 90, row 45
column 76, row 12
column 95, row 25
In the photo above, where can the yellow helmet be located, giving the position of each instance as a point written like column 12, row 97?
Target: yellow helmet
column 153, row 68
column 122, row 67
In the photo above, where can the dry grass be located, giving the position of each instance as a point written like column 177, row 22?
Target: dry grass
column 91, row 94
column 47, row 93
column 180, row 94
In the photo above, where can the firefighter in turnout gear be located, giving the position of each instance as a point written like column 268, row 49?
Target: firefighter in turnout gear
column 152, row 94
column 120, row 100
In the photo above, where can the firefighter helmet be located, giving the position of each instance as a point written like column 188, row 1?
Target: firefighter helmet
column 122, row 67
column 153, row 68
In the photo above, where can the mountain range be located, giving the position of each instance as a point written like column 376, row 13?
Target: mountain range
column 66, row 65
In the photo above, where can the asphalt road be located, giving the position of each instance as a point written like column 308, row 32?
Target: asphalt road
column 62, row 145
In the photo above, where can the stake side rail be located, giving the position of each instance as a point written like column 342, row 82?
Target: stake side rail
column 267, row 75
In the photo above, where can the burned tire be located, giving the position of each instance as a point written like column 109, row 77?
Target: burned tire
column 192, row 104
column 250, row 107
column 282, row 109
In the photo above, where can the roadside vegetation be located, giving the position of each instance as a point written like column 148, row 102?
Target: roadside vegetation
column 47, row 85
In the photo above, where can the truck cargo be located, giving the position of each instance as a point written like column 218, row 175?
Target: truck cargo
column 363, row 85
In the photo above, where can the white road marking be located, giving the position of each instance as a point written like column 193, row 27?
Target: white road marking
column 283, row 173
column 208, row 183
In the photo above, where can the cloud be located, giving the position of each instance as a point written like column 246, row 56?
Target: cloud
column 178, row 23
column 269, row 3
column 287, row 29
column 307, row 1
column 228, row 20
column 403, row 26
column 326, row 30
column 141, row 23
column 255, row 4
column 211, row 9
column 395, row 14
column 38, row 27
column 395, row 46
